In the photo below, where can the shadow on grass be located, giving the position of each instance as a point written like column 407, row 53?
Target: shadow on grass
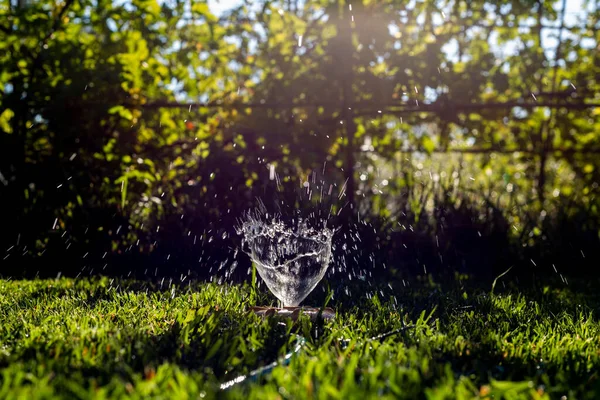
column 484, row 337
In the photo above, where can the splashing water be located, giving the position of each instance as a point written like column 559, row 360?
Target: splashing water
column 290, row 257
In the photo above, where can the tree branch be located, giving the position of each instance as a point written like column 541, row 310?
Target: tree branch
column 56, row 25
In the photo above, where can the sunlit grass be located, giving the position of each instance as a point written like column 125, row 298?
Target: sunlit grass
column 105, row 339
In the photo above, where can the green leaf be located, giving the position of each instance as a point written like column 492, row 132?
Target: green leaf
column 123, row 181
column 203, row 9
column 5, row 118
column 115, row 109
column 428, row 144
column 122, row 111
column 214, row 349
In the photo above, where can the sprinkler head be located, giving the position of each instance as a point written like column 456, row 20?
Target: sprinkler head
column 294, row 312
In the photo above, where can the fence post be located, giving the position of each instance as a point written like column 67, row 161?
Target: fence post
column 346, row 56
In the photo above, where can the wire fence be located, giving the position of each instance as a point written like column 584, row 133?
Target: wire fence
column 367, row 109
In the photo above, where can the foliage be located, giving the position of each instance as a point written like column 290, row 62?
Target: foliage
column 102, row 338
column 145, row 128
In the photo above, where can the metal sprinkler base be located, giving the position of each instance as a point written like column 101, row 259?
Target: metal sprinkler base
column 295, row 312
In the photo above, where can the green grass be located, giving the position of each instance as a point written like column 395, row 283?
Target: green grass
column 96, row 339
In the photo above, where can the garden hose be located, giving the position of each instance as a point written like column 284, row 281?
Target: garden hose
column 285, row 360
column 254, row 375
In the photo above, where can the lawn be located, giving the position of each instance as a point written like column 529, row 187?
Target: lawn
column 105, row 339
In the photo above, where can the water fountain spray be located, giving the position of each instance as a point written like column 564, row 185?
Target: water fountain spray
column 290, row 256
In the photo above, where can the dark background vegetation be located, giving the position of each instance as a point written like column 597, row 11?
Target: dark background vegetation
column 460, row 136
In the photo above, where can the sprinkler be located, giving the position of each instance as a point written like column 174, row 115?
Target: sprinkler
column 290, row 257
